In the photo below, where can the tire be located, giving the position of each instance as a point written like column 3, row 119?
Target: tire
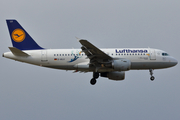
column 152, row 78
column 93, row 81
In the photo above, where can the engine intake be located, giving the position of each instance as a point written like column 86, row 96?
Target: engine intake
column 121, row 65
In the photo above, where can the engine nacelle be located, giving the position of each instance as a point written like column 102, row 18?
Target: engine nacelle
column 121, row 65
column 114, row 75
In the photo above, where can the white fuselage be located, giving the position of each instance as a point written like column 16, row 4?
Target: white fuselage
column 74, row 59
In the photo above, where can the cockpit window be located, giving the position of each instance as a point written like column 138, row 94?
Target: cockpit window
column 165, row 54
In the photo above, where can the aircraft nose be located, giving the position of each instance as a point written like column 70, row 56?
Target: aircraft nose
column 174, row 61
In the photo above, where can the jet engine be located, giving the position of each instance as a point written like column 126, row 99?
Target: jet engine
column 121, row 65
column 115, row 75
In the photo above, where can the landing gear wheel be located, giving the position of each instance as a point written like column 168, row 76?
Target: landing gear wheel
column 152, row 78
column 151, row 73
column 93, row 81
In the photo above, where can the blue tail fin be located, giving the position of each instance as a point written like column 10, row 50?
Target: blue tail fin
column 20, row 38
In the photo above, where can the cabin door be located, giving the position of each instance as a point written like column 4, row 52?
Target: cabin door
column 44, row 56
column 152, row 54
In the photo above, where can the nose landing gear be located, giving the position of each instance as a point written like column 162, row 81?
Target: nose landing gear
column 151, row 73
column 95, row 76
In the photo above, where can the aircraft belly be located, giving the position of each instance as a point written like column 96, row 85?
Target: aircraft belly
column 63, row 67
column 72, row 67
column 150, row 65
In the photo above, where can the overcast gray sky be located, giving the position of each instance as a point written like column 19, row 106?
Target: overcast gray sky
column 30, row 92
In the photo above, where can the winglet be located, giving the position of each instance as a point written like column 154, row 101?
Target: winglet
column 78, row 39
column 18, row 52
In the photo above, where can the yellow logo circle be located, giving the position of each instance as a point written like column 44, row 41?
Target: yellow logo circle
column 18, row 35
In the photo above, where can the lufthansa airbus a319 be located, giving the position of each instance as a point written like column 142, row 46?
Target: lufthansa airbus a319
column 109, row 63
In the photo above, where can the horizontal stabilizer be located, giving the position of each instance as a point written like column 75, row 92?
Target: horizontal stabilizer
column 18, row 52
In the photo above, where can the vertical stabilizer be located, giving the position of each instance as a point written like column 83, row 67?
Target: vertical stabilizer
column 20, row 38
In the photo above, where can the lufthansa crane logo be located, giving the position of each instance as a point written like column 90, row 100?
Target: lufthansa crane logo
column 18, row 35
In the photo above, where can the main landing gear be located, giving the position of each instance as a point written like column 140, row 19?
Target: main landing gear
column 151, row 73
column 95, row 76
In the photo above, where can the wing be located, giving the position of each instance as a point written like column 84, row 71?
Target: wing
column 96, row 56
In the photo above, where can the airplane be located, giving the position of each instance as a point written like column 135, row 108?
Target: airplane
column 110, row 63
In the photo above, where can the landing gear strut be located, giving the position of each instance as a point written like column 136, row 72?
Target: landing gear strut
column 151, row 73
column 95, row 76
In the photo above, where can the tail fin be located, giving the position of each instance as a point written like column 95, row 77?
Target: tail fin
column 20, row 38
